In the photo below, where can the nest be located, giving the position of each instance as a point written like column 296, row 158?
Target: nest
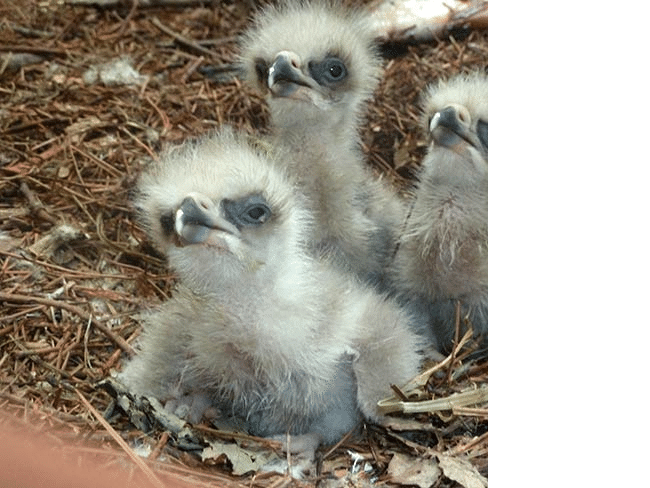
column 76, row 268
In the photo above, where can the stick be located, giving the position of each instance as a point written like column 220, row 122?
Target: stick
column 134, row 457
column 181, row 39
column 16, row 298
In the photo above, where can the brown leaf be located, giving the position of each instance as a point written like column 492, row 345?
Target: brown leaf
column 461, row 471
column 407, row 470
column 243, row 460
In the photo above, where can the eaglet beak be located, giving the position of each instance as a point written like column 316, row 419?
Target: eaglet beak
column 285, row 79
column 451, row 128
column 198, row 220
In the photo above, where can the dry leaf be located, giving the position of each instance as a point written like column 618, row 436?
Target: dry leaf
column 407, row 470
column 461, row 471
column 243, row 460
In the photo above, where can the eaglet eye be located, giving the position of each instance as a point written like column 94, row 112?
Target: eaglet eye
column 257, row 214
column 251, row 210
column 329, row 71
column 336, row 70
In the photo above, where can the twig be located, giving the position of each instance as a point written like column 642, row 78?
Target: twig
column 470, row 412
column 181, row 39
column 129, row 17
column 74, row 273
column 24, row 352
column 42, row 51
column 421, row 379
column 159, row 446
column 456, row 338
column 400, row 394
column 471, row 397
column 16, row 298
column 28, row 32
column 35, row 204
column 343, row 440
column 468, row 446
column 122, row 443
column 191, row 68
column 14, row 316
column 14, row 61
column 32, row 125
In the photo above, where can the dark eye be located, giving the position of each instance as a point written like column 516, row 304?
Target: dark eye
column 482, row 130
column 247, row 211
column 330, row 70
column 167, row 223
column 261, row 70
column 256, row 214
column 336, row 71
